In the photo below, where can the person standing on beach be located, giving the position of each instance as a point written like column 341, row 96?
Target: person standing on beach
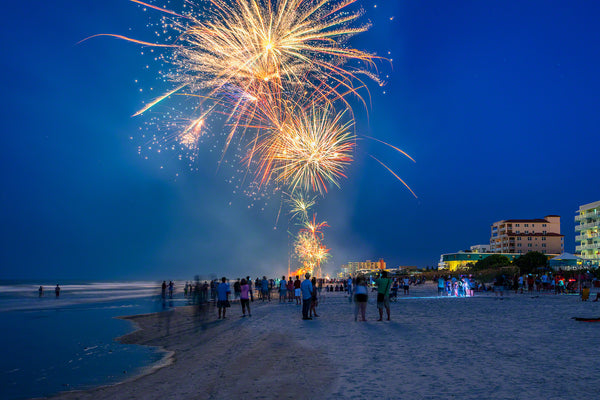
column 223, row 297
column 405, row 284
column 306, row 288
column 57, row 290
column 266, row 295
column 383, row 295
column 499, row 285
column 237, row 289
column 249, row 281
column 297, row 291
column 290, row 290
column 164, row 289
column 349, row 286
column 361, row 296
column 441, row 285
column 41, row 291
column 313, row 299
column 282, row 289
column 171, row 286
column 245, row 297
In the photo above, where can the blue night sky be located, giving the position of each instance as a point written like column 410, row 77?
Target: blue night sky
column 497, row 101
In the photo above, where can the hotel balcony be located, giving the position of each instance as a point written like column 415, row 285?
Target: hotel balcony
column 591, row 257
column 582, row 237
column 592, row 246
column 589, row 225
column 592, row 215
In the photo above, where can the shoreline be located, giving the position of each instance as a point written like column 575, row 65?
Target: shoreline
column 207, row 358
column 167, row 359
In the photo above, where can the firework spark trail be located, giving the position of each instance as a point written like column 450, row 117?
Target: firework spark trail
column 392, row 146
column 397, row 177
column 128, row 39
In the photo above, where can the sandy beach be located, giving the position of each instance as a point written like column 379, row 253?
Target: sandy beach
column 526, row 346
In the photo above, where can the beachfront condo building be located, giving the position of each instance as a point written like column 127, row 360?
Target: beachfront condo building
column 520, row 236
column 587, row 228
column 362, row 267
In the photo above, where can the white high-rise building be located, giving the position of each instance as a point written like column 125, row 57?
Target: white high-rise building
column 587, row 232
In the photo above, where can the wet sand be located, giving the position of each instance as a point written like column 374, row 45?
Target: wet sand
column 211, row 359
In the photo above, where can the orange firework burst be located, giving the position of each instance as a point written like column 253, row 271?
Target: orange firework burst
column 307, row 149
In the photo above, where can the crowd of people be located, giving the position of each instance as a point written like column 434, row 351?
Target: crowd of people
column 307, row 291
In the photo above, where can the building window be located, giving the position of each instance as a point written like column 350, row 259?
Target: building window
column 544, row 232
column 532, row 225
column 543, row 237
column 526, row 225
column 528, row 244
column 543, row 244
column 528, row 237
column 518, row 244
column 517, row 224
column 519, row 238
column 543, row 225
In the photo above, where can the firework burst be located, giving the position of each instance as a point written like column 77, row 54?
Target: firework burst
column 310, row 149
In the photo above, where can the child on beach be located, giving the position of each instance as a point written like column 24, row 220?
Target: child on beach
column 585, row 293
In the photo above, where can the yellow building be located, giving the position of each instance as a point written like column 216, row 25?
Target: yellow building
column 463, row 259
column 588, row 229
column 522, row 236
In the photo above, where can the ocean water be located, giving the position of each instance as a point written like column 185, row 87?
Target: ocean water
column 51, row 344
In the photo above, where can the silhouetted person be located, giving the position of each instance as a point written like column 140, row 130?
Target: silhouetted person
column 57, row 290
column 41, row 291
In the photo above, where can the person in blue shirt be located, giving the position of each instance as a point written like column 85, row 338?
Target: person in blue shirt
column 223, row 297
column 441, row 285
column 306, row 288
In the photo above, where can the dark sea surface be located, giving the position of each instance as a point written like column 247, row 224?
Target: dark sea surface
column 51, row 344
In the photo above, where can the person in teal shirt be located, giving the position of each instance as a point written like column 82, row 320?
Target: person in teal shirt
column 383, row 295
